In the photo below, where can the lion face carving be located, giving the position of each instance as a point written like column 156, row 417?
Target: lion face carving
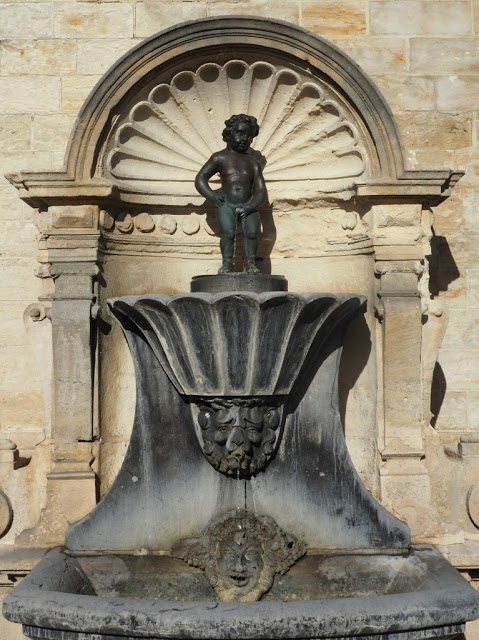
column 239, row 435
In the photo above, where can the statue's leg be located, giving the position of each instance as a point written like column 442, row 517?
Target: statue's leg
column 250, row 226
column 227, row 221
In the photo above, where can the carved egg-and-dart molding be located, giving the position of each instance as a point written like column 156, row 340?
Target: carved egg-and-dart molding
column 305, row 136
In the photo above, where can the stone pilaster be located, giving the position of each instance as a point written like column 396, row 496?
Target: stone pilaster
column 400, row 307
column 72, row 352
column 71, row 244
column 69, row 260
column 405, row 482
column 401, row 241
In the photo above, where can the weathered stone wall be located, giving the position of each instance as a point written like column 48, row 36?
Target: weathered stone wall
column 423, row 55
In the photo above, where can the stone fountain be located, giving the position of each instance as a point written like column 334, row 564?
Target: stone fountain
column 237, row 511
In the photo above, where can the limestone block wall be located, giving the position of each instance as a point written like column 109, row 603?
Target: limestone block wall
column 424, row 56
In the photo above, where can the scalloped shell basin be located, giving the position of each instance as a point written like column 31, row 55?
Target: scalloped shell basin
column 415, row 596
column 232, row 344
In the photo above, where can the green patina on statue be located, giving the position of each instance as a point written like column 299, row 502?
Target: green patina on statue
column 242, row 191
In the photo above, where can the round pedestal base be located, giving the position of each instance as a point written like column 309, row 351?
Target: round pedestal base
column 257, row 283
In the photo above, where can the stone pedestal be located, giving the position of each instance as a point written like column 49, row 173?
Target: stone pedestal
column 257, row 283
column 191, row 348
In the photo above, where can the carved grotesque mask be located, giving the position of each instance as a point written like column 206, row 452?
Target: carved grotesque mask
column 241, row 554
column 239, row 435
column 239, row 567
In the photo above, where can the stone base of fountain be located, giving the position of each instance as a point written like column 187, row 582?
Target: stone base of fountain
column 415, row 595
column 249, row 379
column 256, row 283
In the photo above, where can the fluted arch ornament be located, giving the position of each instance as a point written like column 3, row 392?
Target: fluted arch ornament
column 90, row 168
column 307, row 139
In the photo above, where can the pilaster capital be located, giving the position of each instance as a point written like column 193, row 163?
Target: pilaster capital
column 66, row 218
column 383, row 267
column 74, row 280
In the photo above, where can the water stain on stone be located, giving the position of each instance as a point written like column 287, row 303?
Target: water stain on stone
column 74, row 21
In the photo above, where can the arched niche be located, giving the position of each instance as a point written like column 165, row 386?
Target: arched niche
column 172, row 53
column 107, row 231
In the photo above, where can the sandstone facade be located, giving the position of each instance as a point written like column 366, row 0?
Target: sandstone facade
column 415, row 443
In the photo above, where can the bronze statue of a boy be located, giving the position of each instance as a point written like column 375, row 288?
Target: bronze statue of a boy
column 242, row 190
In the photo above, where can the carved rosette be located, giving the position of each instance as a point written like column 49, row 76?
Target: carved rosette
column 240, row 554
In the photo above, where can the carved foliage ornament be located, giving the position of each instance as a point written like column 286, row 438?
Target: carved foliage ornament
column 240, row 555
column 305, row 134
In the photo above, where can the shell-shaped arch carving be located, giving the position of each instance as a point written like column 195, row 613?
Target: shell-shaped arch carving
column 99, row 156
column 305, row 134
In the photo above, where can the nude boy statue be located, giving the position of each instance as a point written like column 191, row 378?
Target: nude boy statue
column 242, row 190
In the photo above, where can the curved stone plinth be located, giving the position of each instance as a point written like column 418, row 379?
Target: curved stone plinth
column 227, row 282
column 167, row 491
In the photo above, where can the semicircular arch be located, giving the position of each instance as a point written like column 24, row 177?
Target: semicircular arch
column 160, row 60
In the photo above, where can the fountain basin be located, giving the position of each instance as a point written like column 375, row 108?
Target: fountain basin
column 414, row 595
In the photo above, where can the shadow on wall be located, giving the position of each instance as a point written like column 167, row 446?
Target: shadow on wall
column 356, row 350
column 438, row 392
column 442, row 267
column 442, row 272
column 354, row 358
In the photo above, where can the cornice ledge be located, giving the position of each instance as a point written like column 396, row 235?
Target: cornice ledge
column 44, row 188
column 417, row 184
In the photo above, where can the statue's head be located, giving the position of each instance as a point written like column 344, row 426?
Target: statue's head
column 241, row 554
column 239, row 132
column 239, row 434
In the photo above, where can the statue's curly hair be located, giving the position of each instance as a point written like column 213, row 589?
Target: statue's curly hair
column 240, row 117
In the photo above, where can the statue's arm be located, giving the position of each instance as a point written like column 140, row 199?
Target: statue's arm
column 208, row 170
column 259, row 195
